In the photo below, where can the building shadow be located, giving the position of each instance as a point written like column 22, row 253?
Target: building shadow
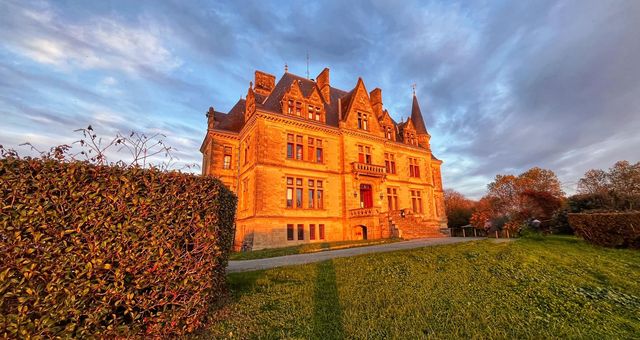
column 327, row 313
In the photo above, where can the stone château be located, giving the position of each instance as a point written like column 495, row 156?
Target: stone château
column 313, row 163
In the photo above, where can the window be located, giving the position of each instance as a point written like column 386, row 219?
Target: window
column 226, row 162
column 310, row 200
column 298, row 192
column 410, row 138
column 392, row 198
column 414, row 168
column 300, row 232
column 289, row 192
column 310, row 149
column 416, row 201
column 388, row 133
column 364, row 154
column 298, row 109
column 312, row 231
column 246, row 154
column 299, row 148
column 296, row 189
column 319, row 196
column 296, row 146
column 363, row 121
column 290, row 106
column 318, row 114
column 319, row 151
column 390, row 163
column 290, row 145
column 321, row 231
column 290, row 232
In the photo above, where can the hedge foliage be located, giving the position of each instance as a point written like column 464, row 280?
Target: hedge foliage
column 610, row 229
column 109, row 251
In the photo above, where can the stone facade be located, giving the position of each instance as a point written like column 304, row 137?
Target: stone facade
column 312, row 163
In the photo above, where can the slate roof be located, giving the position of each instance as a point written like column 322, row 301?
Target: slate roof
column 416, row 117
column 234, row 120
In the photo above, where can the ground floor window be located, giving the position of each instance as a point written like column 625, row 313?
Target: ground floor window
column 290, row 232
column 300, row 232
column 321, row 231
column 312, row 231
column 416, row 201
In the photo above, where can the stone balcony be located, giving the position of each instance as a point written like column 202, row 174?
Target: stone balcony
column 370, row 170
column 364, row 212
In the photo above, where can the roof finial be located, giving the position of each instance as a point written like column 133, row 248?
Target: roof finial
column 286, row 68
column 413, row 86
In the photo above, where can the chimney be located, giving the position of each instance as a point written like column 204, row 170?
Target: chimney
column 211, row 118
column 323, row 83
column 265, row 83
column 376, row 101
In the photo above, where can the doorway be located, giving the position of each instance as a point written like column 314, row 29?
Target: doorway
column 366, row 196
column 360, row 232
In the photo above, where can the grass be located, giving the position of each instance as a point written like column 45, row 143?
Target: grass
column 559, row 287
column 305, row 248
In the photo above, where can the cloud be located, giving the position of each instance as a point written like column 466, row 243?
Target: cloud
column 504, row 86
column 91, row 43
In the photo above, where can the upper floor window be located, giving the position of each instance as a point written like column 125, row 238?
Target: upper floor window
column 226, row 161
column 363, row 121
column 290, row 106
column 390, row 163
column 318, row 114
column 296, row 188
column 298, row 109
column 414, row 167
column 296, row 146
column 388, row 134
column 310, row 112
column 410, row 138
column 364, row 154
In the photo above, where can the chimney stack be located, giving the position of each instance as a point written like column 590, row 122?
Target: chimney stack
column 376, row 101
column 323, row 83
column 265, row 83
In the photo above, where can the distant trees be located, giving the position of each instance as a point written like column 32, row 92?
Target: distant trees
column 615, row 189
column 511, row 200
column 458, row 208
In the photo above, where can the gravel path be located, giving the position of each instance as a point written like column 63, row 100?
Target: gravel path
column 249, row 265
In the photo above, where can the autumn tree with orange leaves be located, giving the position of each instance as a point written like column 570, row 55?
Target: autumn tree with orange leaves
column 536, row 193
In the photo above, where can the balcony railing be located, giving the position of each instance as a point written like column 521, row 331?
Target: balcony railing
column 364, row 212
column 368, row 169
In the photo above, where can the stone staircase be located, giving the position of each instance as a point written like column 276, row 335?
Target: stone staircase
column 410, row 226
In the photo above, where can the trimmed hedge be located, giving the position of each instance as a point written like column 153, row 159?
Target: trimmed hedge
column 611, row 229
column 93, row 250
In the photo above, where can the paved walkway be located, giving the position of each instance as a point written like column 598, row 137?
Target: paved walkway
column 249, row 265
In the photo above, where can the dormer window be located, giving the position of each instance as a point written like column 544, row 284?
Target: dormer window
column 388, row 133
column 298, row 109
column 290, row 107
column 310, row 112
column 318, row 114
column 363, row 121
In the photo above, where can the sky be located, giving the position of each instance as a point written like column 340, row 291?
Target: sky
column 503, row 85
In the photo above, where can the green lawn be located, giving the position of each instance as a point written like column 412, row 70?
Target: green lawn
column 554, row 288
column 306, row 248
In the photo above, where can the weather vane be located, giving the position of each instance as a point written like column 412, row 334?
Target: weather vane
column 413, row 86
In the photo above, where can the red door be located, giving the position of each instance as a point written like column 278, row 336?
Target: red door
column 366, row 196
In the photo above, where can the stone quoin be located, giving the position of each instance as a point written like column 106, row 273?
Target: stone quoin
column 312, row 163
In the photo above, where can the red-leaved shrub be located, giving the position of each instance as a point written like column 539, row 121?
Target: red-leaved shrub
column 91, row 250
column 609, row 229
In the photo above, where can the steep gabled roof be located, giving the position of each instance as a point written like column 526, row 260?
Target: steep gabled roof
column 416, row 117
column 232, row 121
